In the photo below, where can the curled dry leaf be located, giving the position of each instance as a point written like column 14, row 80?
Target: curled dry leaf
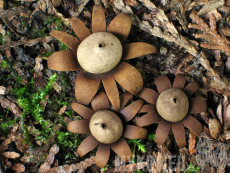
column 192, row 143
column 18, row 168
column 30, row 42
column 211, row 5
column 10, row 154
column 73, row 167
column 214, row 128
column 128, row 168
column 213, row 39
column 49, row 159
column 227, row 119
column 62, row 110
column 2, row 90
column 219, row 112
column 5, row 103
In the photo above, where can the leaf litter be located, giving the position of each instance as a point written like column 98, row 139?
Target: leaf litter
column 192, row 38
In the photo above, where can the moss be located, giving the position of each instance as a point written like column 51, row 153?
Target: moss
column 36, row 33
column 6, row 122
column 29, row 100
column 47, row 54
column 68, row 143
column 56, row 20
column 3, row 38
column 138, row 144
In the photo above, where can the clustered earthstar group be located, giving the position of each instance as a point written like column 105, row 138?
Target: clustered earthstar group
column 100, row 56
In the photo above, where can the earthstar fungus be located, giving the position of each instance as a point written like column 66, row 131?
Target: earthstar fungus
column 98, row 55
column 107, row 128
column 171, row 107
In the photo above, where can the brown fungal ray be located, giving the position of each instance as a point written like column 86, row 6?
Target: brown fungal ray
column 147, row 108
column 112, row 92
column 128, row 77
column 147, row 119
column 179, row 134
column 133, row 50
column 98, row 19
column 162, row 83
column 131, row 110
column 124, row 98
column 135, row 132
column 87, row 145
column 70, row 41
column 197, row 105
column 179, row 82
column 79, row 126
column 100, row 102
column 149, row 95
column 63, row 60
column 79, row 28
column 191, row 88
column 121, row 148
column 86, row 87
column 102, row 155
column 162, row 132
column 193, row 124
column 120, row 26
column 82, row 110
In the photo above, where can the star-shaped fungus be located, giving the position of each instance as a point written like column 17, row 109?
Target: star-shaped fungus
column 107, row 127
column 171, row 108
column 99, row 55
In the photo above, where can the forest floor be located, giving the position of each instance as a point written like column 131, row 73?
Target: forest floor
column 192, row 38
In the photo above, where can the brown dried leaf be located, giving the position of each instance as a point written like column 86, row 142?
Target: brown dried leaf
column 217, row 42
column 197, row 3
column 227, row 118
column 192, row 143
column 57, row 87
column 29, row 43
column 128, row 168
column 132, row 3
column 44, row 102
column 2, row 90
column 219, row 113
column 214, row 128
column 38, row 67
column 73, row 167
column 62, row 110
column 18, row 168
column 10, row 154
column 211, row 5
column 5, row 103
column 2, row 30
column 216, row 14
column 13, row 12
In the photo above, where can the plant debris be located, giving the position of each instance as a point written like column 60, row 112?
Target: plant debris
column 189, row 38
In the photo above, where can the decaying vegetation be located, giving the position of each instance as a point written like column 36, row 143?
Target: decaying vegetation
column 191, row 38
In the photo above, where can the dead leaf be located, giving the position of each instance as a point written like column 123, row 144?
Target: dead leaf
column 57, row 87
column 2, row 90
column 192, row 143
column 214, row 128
column 18, row 168
column 10, row 154
column 211, row 5
column 62, row 110
column 219, row 113
column 29, row 43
